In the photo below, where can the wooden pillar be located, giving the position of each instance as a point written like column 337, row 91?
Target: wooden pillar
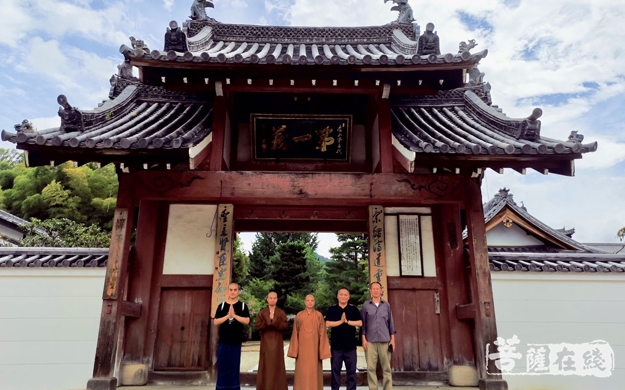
column 377, row 252
column 141, row 278
column 114, row 286
column 220, row 126
column 385, row 133
column 222, row 273
column 458, row 294
column 482, row 306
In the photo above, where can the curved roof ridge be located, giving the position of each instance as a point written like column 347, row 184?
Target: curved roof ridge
column 504, row 198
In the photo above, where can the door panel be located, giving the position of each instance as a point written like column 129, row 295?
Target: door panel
column 418, row 338
column 182, row 340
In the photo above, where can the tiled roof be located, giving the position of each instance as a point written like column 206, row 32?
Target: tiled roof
column 505, row 199
column 53, row 257
column 545, row 258
column 392, row 44
column 461, row 122
column 556, row 262
column 140, row 117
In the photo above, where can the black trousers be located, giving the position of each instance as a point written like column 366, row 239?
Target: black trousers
column 338, row 357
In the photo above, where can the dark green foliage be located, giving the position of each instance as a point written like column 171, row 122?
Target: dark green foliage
column 265, row 247
column 349, row 267
column 64, row 233
column 240, row 263
column 295, row 271
column 85, row 194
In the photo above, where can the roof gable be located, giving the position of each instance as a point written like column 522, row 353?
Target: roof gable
column 502, row 210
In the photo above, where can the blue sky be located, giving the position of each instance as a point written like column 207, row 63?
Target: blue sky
column 567, row 57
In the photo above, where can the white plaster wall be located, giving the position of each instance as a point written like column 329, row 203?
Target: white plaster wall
column 512, row 236
column 49, row 321
column 562, row 308
column 190, row 243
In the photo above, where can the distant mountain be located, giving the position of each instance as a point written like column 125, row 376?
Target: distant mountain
column 322, row 259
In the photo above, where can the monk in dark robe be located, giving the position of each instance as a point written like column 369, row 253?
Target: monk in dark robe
column 309, row 346
column 271, row 322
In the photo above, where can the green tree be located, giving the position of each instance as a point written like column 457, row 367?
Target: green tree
column 265, row 245
column 294, row 270
column 349, row 267
column 65, row 233
column 240, row 263
column 84, row 194
column 10, row 158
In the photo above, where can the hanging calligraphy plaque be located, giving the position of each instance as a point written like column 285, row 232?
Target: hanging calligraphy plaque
column 410, row 257
column 301, row 137
column 223, row 255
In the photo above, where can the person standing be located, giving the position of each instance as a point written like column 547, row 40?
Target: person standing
column 309, row 346
column 271, row 322
column 343, row 319
column 378, row 337
column 231, row 316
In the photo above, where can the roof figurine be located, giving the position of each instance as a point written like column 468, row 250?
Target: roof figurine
column 429, row 42
column 198, row 9
column 71, row 117
column 25, row 127
column 175, row 39
column 404, row 9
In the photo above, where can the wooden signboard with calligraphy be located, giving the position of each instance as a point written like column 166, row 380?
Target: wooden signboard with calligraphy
column 377, row 256
column 116, row 254
column 223, row 255
column 410, row 256
column 301, row 137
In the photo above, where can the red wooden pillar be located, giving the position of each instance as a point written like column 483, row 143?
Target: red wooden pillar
column 141, row 278
column 457, row 291
column 385, row 135
column 482, row 307
column 220, row 127
column 114, row 289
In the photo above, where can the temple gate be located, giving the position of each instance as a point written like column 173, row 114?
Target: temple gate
column 237, row 128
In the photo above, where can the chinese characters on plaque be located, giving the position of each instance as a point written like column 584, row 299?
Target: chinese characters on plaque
column 301, row 137
column 410, row 246
column 377, row 258
column 585, row 359
column 223, row 255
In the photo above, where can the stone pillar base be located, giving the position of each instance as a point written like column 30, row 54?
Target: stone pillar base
column 463, row 376
column 102, row 384
column 493, row 384
column 134, row 375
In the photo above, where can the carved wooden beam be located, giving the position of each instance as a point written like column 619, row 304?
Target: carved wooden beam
column 298, row 190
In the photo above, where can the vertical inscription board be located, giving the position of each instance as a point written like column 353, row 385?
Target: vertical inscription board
column 116, row 254
column 377, row 257
column 410, row 257
column 223, row 255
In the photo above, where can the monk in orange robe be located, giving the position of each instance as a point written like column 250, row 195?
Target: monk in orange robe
column 309, row 346
column 271, row 322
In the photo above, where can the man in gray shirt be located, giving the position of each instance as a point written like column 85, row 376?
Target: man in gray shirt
column 378, row 337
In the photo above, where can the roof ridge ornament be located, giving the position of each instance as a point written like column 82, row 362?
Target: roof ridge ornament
column 25, row 127
column 198, row 9
column 71, row 117
column 405, row 11
column 175, row 38
column 575, row 137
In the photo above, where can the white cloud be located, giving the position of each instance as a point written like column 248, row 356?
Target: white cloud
column 22, row 18
column 168, row 4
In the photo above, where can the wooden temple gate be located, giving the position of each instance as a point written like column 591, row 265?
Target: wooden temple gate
column 266, row 128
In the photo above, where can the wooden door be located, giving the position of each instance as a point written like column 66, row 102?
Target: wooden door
column 418, row 323
column 182, row 340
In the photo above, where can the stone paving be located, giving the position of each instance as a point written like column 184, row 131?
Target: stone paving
column 250, row 351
